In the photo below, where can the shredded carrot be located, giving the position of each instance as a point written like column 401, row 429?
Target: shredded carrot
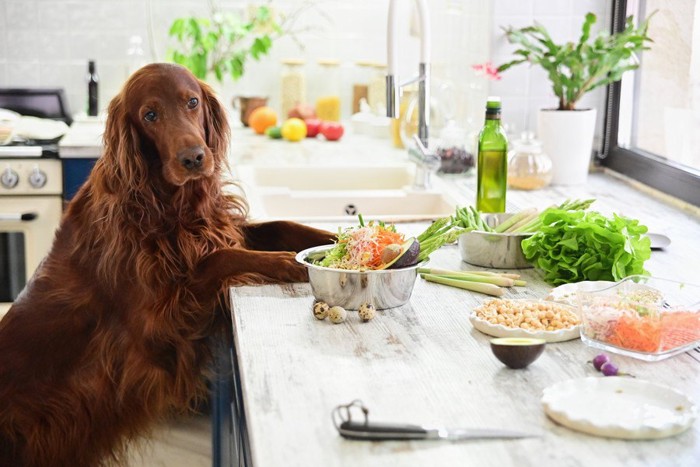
column 365, row 246
column 654, row 334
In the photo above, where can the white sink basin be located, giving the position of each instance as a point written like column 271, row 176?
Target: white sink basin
column 305, row 177
column 387, row 205
column 339, row 193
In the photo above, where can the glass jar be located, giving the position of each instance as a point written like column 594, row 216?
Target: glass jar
column 407, row 95
column 376, row 94
column 360, row 86
column 409, row 124
column 528, row 167
column 328, row 100
column 293, row 85
column 453, row 147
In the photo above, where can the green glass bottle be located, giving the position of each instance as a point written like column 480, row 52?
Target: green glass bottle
column 492, row 163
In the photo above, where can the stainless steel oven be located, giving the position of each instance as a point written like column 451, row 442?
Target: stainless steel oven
column 30, row 211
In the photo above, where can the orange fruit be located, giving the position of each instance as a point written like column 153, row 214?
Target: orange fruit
column 261, row 119
column 294, row 129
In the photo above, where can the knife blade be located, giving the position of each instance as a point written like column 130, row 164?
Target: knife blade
column 404, row 432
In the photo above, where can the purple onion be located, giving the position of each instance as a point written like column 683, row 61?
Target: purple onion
column 600, row 360
column 608, row 369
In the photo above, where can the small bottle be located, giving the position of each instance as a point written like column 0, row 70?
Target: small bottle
column 492, row 161
column 92, row 80
column 135, row 55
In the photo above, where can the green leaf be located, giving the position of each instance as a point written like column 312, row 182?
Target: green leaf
column 577, row 68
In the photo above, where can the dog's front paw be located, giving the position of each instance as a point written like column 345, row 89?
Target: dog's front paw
column 288, row 269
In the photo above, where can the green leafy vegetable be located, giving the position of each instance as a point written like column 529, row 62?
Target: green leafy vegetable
column 571, row 246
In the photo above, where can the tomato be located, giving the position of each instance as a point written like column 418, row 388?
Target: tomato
column 313, row 127
column 333, row 131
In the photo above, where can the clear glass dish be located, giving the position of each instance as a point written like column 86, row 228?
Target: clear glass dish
column 642, row 317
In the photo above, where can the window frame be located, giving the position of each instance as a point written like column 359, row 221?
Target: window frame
column 667, row 176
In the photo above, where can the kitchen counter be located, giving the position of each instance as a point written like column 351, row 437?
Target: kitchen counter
column 424, row 363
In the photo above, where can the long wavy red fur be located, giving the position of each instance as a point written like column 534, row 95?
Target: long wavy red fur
column 112, row 331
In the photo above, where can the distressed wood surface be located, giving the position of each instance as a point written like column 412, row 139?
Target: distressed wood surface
column 424, row 363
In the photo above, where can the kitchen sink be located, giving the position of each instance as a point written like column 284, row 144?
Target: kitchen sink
column 388, row 205
column 330, row 177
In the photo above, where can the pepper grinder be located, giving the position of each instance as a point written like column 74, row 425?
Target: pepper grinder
column 92, row 80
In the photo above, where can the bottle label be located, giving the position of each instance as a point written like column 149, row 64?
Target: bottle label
column 491, row 181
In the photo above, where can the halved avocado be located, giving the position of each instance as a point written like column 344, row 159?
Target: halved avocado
column 406, row 254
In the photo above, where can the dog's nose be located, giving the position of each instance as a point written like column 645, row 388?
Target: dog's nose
column 191, row 158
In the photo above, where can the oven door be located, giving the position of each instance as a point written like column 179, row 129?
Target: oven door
column 27, row 228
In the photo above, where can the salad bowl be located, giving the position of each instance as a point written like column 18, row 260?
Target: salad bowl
column 386, row 288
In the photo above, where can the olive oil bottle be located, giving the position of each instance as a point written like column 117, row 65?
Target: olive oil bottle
column 492, row 163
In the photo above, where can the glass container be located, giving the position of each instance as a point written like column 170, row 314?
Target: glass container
column 453, row 148
column 642, row 317
column 328, row 105
column 360, row 86
column 528, row 167
column 293, row 82
column 376, row 93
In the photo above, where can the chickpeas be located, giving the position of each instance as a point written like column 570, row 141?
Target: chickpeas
column 535, row 316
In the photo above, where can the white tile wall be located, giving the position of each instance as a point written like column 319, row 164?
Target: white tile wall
column 48, row 43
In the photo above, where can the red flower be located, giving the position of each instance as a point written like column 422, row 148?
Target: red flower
column 488, row 70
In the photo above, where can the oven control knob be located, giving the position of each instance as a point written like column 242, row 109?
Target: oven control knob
column 37, row 178
column 9, row 178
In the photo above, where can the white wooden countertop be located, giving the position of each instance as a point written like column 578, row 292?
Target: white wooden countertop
column 423, row 363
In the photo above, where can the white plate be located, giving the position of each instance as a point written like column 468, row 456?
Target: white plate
column 619, row 407
column 499, row 330
column 566, row 293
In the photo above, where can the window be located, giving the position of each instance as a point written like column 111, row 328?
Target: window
column 652, row 124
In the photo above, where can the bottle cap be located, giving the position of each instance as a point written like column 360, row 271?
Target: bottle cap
column 493, row 102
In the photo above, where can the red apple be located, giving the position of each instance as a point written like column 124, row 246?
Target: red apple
column 333, row 131
column 313, row 127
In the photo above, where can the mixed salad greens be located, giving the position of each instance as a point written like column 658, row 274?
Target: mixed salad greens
column 377, row 245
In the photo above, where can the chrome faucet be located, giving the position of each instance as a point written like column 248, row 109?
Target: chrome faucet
column 425, row 163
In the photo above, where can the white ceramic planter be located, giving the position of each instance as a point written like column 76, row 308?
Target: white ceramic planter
column 567, row 138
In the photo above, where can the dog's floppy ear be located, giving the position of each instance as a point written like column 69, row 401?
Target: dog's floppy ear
column 216, row 123
column 122, row 156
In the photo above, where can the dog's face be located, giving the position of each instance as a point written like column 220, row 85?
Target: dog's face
column 168, row 107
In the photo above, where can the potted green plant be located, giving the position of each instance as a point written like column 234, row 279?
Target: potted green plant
column 220, row 45
column 574, row 69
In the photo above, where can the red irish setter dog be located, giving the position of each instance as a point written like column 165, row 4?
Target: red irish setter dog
column 112, row 331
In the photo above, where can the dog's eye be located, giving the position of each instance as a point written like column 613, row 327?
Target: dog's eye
column 192, row 103
column 150, row 116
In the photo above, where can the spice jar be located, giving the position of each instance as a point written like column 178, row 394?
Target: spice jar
column 453, row 148
column 293, row 85
column 528, row 167
column 328, row 100
column 360, row 87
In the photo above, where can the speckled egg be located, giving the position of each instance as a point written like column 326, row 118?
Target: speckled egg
column 367, row 311
column 321, row 310
column 337, row 314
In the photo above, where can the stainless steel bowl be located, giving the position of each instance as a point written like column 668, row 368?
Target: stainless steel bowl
column 387, row 288
column 494, row 250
